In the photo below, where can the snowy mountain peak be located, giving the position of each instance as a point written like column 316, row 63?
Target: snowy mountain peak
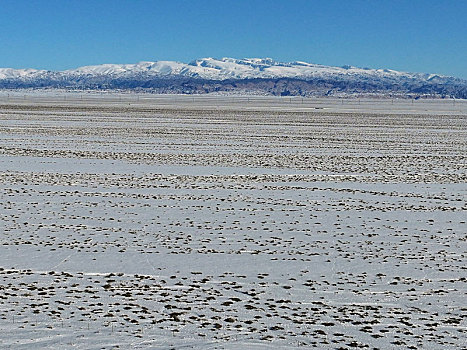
column 10, row 73
column 219, row 69
column 147, row 73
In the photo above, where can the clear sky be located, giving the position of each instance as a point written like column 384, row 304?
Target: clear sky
column 410, row 35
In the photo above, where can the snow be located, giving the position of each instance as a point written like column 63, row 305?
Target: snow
column 219, row 69
column 169, row 222
column 10, row 73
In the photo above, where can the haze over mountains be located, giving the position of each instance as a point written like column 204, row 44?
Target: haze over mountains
column 241, row 76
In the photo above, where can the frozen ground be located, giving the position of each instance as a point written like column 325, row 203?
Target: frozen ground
column 231, row 223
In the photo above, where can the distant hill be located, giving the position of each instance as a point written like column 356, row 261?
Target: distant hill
column 244, row 76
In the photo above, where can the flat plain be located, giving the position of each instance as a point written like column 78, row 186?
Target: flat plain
column 211, row 222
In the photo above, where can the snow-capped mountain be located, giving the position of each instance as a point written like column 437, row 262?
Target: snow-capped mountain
column 260, row 75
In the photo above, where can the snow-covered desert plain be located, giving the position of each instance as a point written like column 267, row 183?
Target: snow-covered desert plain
column 210, row 222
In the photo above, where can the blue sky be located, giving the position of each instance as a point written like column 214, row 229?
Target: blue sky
column 416, row 36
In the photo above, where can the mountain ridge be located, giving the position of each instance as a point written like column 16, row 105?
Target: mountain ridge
column 250, row 75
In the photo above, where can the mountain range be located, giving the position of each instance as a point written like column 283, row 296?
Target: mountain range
column 243, row 76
